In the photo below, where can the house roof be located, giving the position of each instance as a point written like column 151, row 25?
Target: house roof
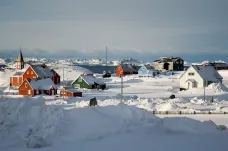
column 219, row 64
column 167, row 59
column 149, row 67
column 20, row 57
column 128, row 68
column 207, row 73
column 71, row 89
column 18, row 74
column 90, row 79
column 41, row 71
column 41, row 84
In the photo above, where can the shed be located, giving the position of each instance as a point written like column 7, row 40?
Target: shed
column 70, row 92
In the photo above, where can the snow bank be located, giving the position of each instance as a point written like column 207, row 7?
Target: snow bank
column 28, row 122
column 217, row 87
column 168, row 106
column 195, row 100
column 187, row 125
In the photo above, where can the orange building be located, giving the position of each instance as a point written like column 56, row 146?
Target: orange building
column 125, row 69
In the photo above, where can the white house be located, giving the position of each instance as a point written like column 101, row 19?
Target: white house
column 197, row 75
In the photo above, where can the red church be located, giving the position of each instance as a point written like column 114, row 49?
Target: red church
column 25, row 71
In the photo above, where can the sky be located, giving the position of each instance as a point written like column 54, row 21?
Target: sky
column 141, row 29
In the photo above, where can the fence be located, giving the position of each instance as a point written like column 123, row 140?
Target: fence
column 182, row 112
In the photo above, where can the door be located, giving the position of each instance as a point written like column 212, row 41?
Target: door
column 52, row 92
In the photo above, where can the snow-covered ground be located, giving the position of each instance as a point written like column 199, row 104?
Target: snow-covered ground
column 55, row 123
column 31, row 123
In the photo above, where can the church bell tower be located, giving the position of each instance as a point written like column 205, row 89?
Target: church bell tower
column 20, row 61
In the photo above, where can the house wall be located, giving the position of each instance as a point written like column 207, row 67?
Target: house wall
column 178, row 65
column 24, row 89
column 77, row 94
column 49, row 92
column 143, row 72
column 65, row 93
column 82, row 84
column 119, row 70
column 29, row 73
column 155, row 65
column 196, row 77
column 170, row 66
column 16, row 81
column 55, row 78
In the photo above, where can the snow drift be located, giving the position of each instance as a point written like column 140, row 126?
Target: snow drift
column 217, row 87
column 29, row 123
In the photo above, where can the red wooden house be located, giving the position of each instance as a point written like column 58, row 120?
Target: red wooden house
column 32, row 87
column 125, row 69
column 70, row 92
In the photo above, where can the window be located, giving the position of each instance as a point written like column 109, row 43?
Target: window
column 26, row 85
column 18, row 79
column 181, row 62
column 31, row 72
column 27, row 72
column 79, row 79
column 191, row 73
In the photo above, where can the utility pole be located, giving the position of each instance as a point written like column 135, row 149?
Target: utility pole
column 106, row 56
column 121, row 76
column 204, row 82
column 204, row 89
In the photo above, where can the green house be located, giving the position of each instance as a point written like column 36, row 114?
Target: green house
column 88, row 82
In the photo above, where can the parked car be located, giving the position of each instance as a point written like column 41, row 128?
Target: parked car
column 106, row 75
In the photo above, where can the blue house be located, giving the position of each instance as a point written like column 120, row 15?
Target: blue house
column 146, row 71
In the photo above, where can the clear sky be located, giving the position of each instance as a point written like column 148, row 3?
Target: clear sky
column 130, row 28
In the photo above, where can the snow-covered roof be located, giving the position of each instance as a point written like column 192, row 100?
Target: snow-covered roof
column 89, row 79
column 18, row 74
column 128, row 68
column 42, row 72
column 71, row 89
column 41, row 84
column 149, row 67
column 208, row 73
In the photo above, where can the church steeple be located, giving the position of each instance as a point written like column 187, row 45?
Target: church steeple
column 20, row 61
